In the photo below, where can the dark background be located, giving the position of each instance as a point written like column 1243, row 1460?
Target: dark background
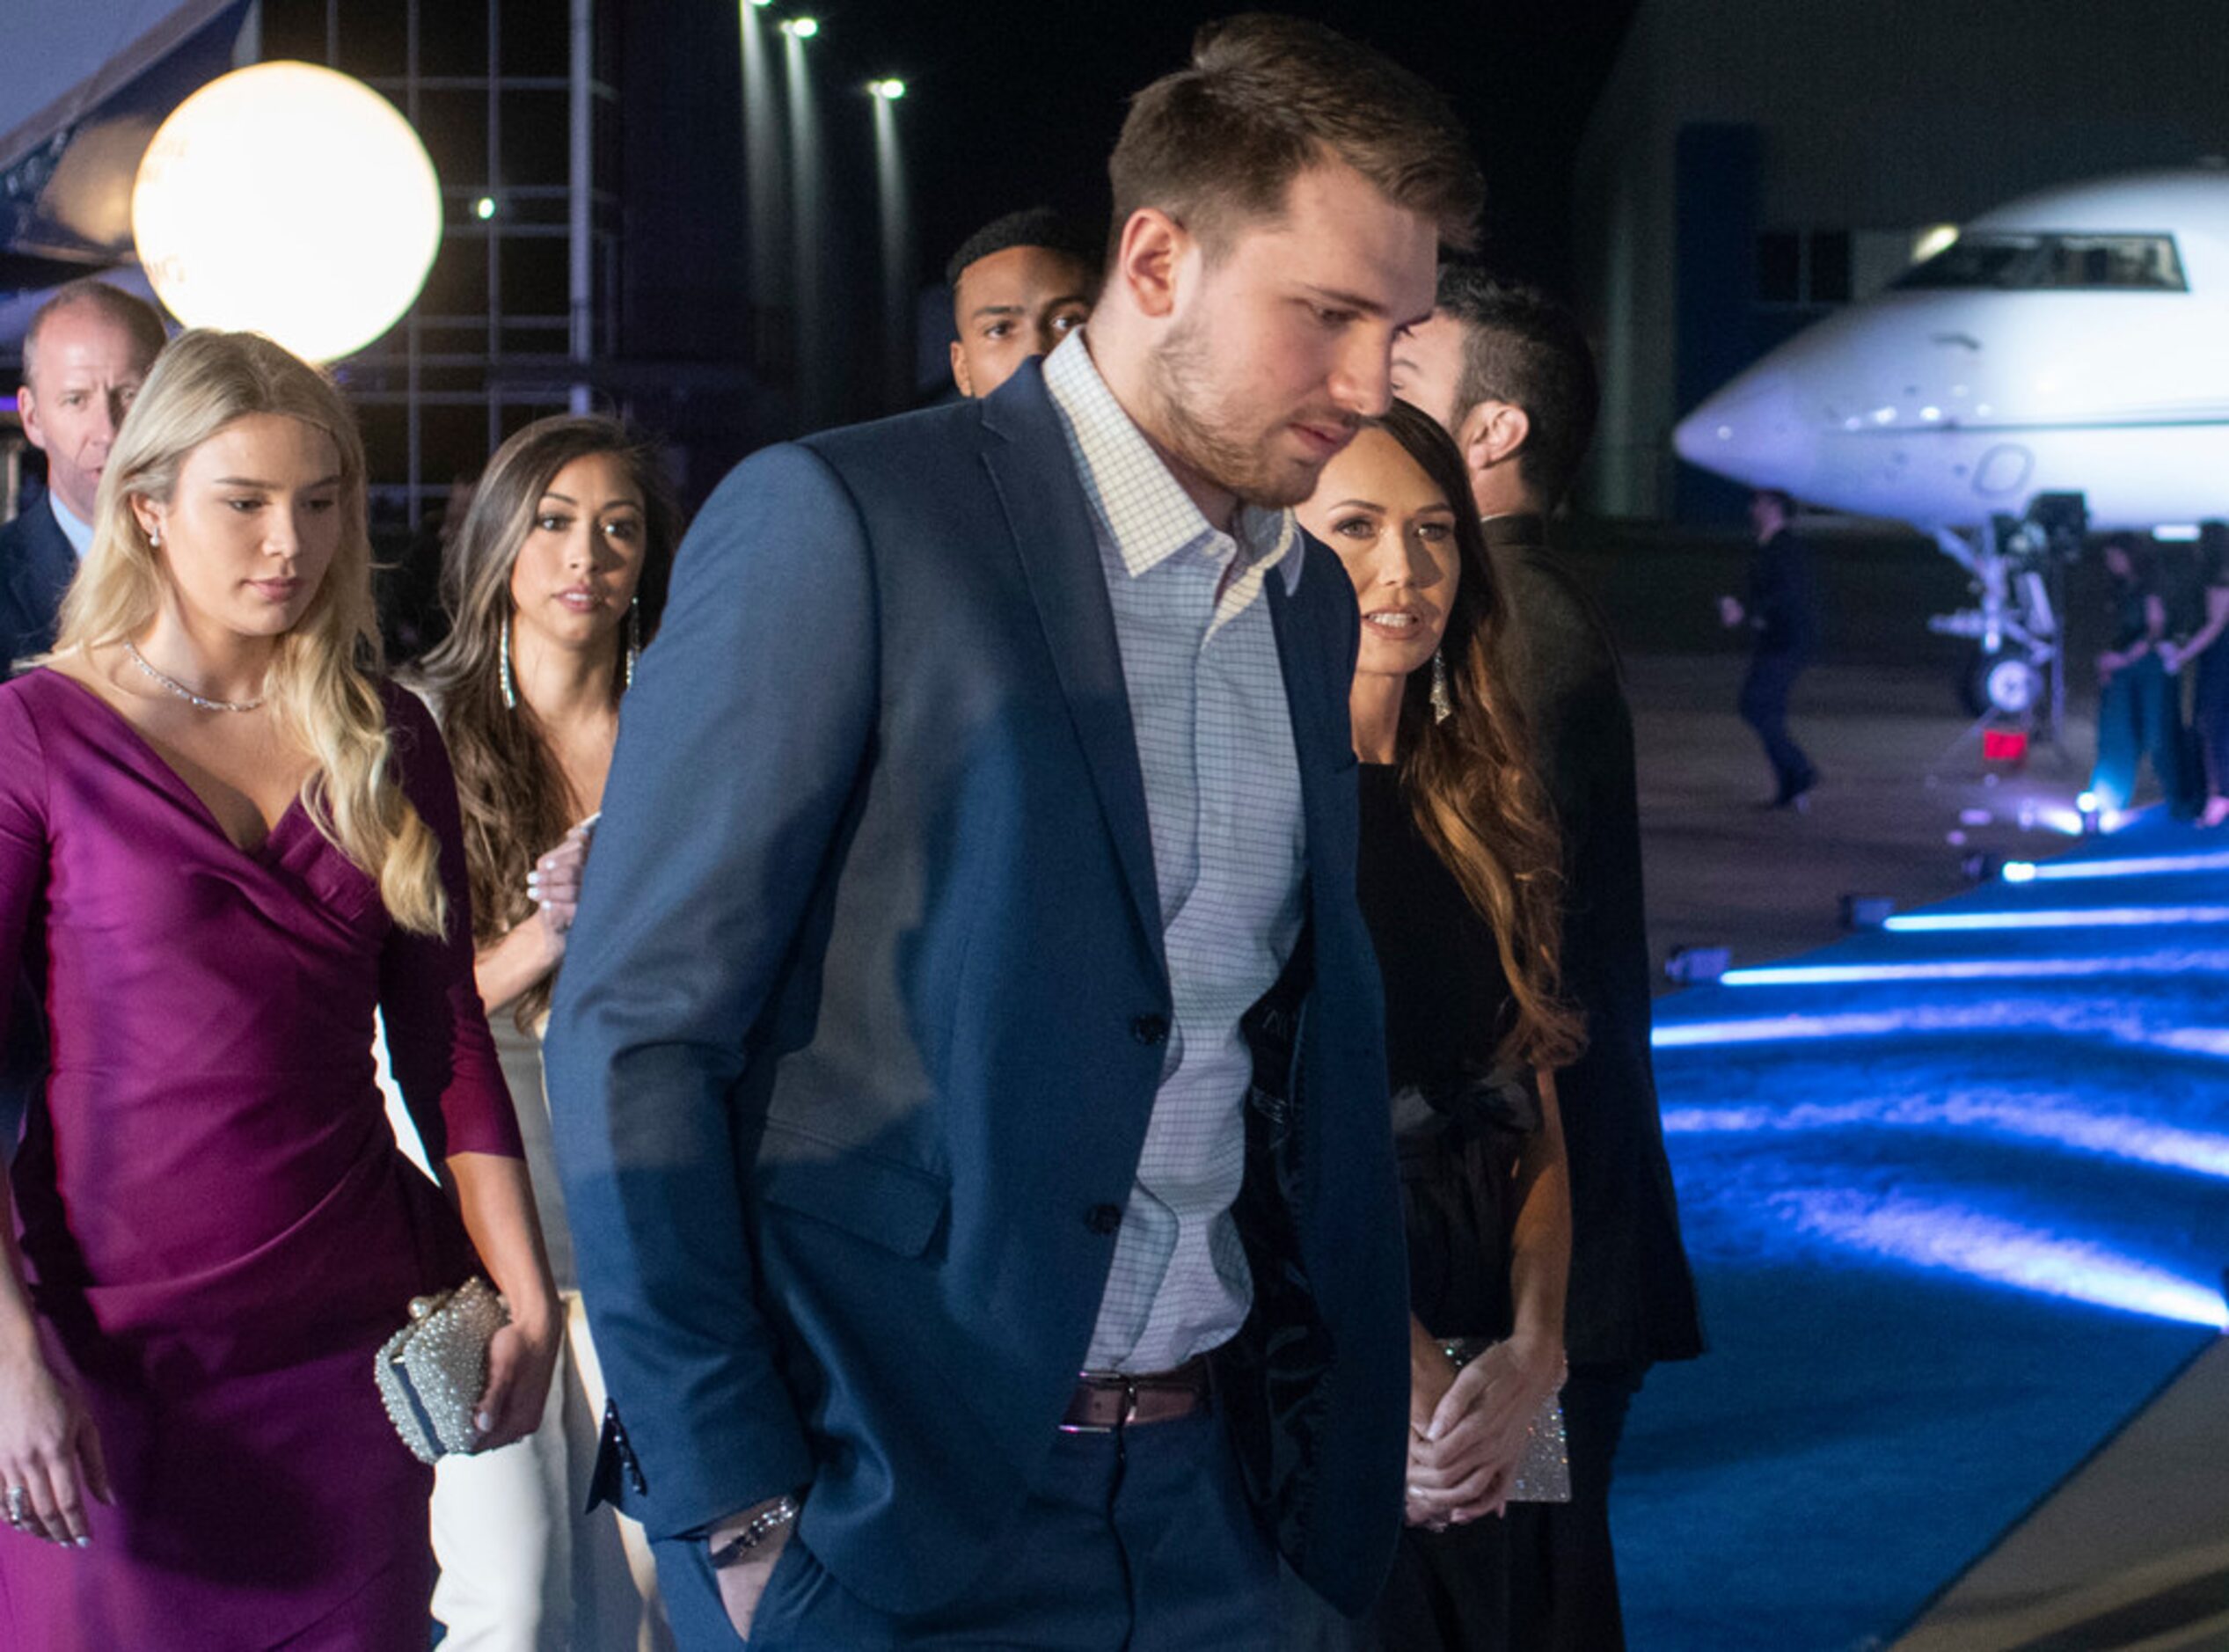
column 1009, row 105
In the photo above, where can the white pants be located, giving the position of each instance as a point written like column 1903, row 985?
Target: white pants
column 522, row 1569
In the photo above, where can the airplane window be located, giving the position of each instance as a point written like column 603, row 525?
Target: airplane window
column 2045, row 262
column 2113, row 261
column 1975, row 260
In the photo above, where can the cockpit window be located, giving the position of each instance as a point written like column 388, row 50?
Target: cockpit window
column 2051, row 263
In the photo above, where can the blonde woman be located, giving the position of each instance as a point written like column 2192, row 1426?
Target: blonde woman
column 554, row 583
column 222, row 843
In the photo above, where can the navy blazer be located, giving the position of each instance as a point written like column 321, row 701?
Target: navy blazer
column 855, row 1042
column 36, row 567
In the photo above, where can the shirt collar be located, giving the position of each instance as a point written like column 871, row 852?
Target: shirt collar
column 1143, row 509
column 80, row 533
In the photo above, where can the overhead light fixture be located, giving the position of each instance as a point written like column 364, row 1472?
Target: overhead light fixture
column 484, row 209
column 803, row 28
column 889, row 91
column 240, row 223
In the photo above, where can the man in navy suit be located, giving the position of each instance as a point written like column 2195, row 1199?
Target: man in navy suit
column 966, row 1064
column 84, row 356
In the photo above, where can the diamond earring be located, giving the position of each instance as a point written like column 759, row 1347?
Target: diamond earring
column 1443, row 700
column 634, row 640
column 510, row 688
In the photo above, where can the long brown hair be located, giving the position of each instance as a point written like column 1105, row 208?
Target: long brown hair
column 322, row 685
column 510, row 786
column 1470, row 778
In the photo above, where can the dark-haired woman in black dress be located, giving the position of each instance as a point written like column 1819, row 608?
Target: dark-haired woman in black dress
column 1459, row 884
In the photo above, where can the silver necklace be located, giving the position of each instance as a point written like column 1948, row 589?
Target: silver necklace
column 184, row 693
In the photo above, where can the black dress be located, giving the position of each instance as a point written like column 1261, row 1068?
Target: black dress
column 1459, row 1123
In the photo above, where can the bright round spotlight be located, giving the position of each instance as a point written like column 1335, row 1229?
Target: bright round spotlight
column 888, row 90
column 2086, row 803
column 2020, row 871
column 804, row 28
column 484, row 209
column 291, row 200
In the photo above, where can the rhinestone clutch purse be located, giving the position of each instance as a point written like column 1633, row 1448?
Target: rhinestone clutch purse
column 1543, row 1472
column 432, row 1371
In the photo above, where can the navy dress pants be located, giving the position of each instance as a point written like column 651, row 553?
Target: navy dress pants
column 1137, row 1541
column 1763, row 703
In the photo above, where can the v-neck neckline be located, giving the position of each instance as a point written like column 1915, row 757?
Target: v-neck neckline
column 260, row 853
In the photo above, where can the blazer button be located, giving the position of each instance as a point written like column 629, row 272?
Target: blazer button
column 1149, row 1029
column 1103, row 1219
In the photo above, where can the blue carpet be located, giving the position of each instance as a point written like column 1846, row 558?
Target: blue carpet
column 1958, row 1197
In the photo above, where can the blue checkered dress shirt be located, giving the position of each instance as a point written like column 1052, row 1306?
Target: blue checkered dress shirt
column 1215, row 746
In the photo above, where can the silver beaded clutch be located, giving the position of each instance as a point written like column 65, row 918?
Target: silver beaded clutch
column 433, row 1372
column 1543, row 1472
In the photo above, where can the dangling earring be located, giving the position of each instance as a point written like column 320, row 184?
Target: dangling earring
column 1442, row 701
column 510, row 688
column 634, row 640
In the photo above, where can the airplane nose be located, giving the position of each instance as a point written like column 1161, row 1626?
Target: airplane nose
column 1752, row 431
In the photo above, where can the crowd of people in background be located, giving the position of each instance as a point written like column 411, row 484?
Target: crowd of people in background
column 2169, row 607
column 1033, row 909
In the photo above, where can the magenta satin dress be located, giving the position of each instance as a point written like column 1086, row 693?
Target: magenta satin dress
column 218, row 1227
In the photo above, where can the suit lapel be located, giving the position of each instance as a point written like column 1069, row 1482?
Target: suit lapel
column 1035, row 476
column 40, row 573
column 1319, row 719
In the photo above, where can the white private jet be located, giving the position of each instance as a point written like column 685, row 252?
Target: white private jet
column 2072, row 344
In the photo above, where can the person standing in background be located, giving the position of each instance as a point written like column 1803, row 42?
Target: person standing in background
column 2210, row 700
column 553, row 582
column 1506, row 371
column 85, row 354
column 2139, row 709
column 1460, row 885
column 1781, row 613
column 1020, row 285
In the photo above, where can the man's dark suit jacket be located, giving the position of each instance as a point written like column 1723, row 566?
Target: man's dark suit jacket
column 865, row 1010
column 36, row 563
column 1783, row 601
column 1632, row 1298
column 36, row 566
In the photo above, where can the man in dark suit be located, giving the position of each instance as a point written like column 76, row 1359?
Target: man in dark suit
column 1509, row 373
column 1781, row 614
column 967, row 991
column 84, row 356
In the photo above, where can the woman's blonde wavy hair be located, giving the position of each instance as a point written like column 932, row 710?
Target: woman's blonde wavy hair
column 322, row 687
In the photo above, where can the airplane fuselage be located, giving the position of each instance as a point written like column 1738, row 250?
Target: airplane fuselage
column 2077, row 344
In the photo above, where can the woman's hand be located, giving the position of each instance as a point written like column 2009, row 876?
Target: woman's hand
column 1462, row 1466
column 555, row 886
column 48, row 1449
column 1430, row 1375
column 521, row 1358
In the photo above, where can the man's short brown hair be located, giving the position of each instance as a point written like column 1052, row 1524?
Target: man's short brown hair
column 1219, row 143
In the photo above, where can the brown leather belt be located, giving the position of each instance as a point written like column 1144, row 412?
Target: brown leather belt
column 1107, row 1401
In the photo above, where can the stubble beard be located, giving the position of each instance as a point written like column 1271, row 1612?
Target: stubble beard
column 1199, row 431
